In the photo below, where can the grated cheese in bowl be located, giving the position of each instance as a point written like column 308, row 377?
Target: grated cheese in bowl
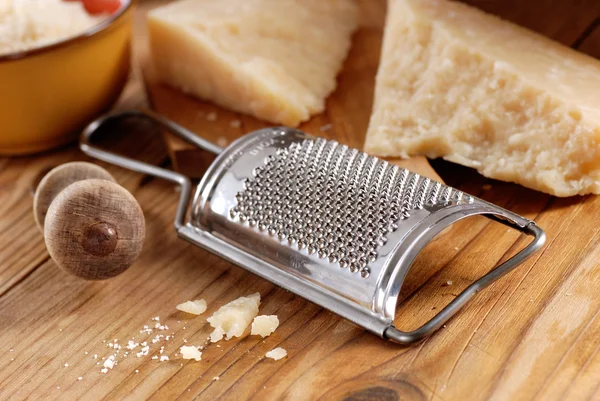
column 29, row 24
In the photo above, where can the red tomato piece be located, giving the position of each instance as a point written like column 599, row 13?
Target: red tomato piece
column 101, row 6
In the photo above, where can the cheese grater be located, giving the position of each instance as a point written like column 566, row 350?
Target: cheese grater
column 325, row 221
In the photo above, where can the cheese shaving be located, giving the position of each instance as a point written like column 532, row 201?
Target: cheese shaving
column 196, row 307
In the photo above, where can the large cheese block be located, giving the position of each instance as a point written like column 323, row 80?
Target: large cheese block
column 274, row 59
column 457, row 83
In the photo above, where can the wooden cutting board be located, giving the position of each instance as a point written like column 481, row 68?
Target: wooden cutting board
column 533, row 335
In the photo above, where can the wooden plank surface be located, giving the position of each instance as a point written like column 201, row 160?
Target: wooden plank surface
column 534, row 334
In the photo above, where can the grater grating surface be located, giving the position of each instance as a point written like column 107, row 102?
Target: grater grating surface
column 327, row 199
column 329, row 223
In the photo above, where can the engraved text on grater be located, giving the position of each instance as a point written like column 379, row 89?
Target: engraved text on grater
column 334, row 202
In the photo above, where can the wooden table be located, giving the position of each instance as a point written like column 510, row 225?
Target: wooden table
column 535, row 334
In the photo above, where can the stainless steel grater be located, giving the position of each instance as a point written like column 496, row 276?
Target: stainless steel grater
column 327, row 222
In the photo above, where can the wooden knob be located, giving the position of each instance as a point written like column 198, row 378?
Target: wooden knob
column 58, row 179
column 94, row 229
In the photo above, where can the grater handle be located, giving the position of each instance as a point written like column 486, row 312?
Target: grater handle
column 145, row 168
column 404, row 337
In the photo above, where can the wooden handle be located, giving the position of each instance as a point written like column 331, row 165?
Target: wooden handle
column 94, row 229
column 58, row 179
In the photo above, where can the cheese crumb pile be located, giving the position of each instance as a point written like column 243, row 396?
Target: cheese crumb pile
column 230, row 320
column 28, row 24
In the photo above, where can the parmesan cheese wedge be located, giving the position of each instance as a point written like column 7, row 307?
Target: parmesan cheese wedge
column 457, row 83
column 276, row 60
column 264, row 325
column 232, row 319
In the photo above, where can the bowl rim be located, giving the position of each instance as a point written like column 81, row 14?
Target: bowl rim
column 93, row 30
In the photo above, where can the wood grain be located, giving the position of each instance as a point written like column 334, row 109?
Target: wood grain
column 58, row 179
column 533, row 335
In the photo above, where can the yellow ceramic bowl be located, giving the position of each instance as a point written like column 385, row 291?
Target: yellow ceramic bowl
column 48, row 94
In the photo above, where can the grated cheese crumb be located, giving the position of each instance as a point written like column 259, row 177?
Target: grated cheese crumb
column 66, row 365
column 216, row 378
column 110, row 362
column 232, row 319
column 104, row 370
column 264, row 325
column 190, row 352
column 143, row 352
column 235, row 124
column 276, row 353
column 155, row 357
column 196, row 307
column 80, row 378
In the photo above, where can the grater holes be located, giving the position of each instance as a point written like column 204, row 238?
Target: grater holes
column 338, row 203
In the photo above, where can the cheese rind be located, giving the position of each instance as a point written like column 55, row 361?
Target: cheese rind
column 457, row 83
column 232, row 319
column 276, row 60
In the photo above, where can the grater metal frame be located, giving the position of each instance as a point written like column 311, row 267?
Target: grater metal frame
column 377, row 317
